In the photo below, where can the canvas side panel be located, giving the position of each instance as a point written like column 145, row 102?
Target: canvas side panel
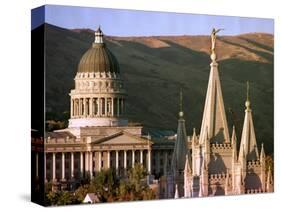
column 37, row 106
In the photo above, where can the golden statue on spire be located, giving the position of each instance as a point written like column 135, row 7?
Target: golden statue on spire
column 213, row 39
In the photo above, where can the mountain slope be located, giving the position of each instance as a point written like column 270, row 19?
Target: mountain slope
column 163, row 64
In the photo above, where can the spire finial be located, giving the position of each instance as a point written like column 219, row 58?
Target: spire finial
column 98, row 35
column 247, row 103
column 180, row 103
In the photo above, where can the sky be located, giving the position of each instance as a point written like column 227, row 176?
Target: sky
column 117, row 22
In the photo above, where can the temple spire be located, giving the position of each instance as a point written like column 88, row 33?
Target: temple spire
column 214, row 117
column 248, row 139
column 180, row 148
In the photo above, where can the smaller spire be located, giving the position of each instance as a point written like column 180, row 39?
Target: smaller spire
column 248, row 103
column 176, row 192
column 194, row 138
column 180, row 104
column 233, row 138
column 262, row 155
column 187, row 167
column 233, row 142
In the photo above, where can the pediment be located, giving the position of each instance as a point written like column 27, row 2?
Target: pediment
column 121, row 138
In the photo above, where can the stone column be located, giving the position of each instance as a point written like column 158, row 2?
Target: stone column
column 91, row 107
column 71, row 107
column 91, row 164
column 84, row 107
column 108, row 159
column 72, row 165
column 80, row 107
column 112, row 106
column 99, row 167
column 62, row 166
column 117, row 103
column 125, row 159
column 149, row 161
column 36, row 165
column 94, row 110
column 81, row 164
column 117, row 159
column 133, row 158
column 54, row 166
column 99, row 107
column 86, row 162
column 141, row 156
column 105, row 106
column 75, row 107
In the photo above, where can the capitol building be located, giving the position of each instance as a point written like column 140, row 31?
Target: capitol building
column 99, row 137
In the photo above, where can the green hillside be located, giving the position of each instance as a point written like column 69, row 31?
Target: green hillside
column 154, row 69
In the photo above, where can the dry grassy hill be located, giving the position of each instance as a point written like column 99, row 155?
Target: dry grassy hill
column 154, row 69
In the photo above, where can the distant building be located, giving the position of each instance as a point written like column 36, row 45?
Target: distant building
column 91, row 198
column 99, row 135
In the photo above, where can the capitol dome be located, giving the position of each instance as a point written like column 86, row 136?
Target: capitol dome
column 98, row 58
column 99, row 97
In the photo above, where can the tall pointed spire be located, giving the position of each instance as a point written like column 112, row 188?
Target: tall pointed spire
column 262, row 155
column 248, row 139
column 214, row 117
column 180, row 148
